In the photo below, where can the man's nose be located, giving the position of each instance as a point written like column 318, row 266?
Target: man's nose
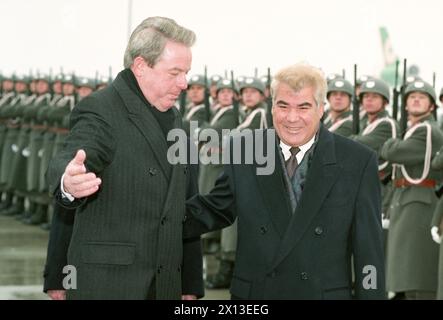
column 292, row 115
column 182, row 82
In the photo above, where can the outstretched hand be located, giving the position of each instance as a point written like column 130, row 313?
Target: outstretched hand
column 77, row 181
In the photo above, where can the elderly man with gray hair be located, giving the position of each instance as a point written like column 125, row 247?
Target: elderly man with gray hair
column 304, row 227
column 129, row 200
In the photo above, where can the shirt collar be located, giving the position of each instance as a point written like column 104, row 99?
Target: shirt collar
column 303, row 149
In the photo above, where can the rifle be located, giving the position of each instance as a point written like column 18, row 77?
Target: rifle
column 395, row 92
column 206, row 98
column 403, row 113
column 269, row 100
column 235, row 101
column 355, row 106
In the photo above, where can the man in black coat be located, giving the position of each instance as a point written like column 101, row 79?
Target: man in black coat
column 306, row 227
column 114, row 170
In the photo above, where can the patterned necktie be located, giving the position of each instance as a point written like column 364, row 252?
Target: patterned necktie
column 291, row 163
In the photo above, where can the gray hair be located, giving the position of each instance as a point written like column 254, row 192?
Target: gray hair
column 299, row 76
column 149, row 39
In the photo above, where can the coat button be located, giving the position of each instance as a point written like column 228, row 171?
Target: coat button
column 185, row 217
column 152, row 171
column 163, row 220
column 304, row 276
column 186, row 170
column 159, row 269
column 263, row 230
column 318, row 231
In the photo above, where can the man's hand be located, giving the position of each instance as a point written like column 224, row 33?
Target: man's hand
column 57, row 294
column 384, row 222
column 189, row 297
column 77, row 181
column 435, row 235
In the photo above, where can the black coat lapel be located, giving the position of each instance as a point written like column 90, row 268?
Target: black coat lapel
column 274, row 193
column 322, row 175
column 145, row 122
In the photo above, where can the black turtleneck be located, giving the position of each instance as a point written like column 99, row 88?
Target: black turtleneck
column 164, row 119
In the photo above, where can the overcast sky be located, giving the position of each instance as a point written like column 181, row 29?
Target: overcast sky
column 90, row 35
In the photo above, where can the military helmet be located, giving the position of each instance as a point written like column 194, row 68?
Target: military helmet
column 215, row 79
column 251, row 82
column 197, row 79
column 340, row 85
column 333, row 76
column 423, row 87
column 21, row 78
column 264, row 79
column 364, row 78
column 58, row 77
column 375, row 86
column 8, row 77
column 68, row 78
column 43, row 76
column 85, row 82
column 226, row 83
column 411, row 79
column 240, row 80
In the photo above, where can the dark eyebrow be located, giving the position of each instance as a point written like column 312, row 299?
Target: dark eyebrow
column 305, row 104
column 282, row 102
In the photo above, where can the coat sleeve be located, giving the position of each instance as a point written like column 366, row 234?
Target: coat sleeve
column 367, row 240
column 90, row 131
column 213, row 211
column 192, row 265
column 376, row 138
column 59, row 239
column 407, row 152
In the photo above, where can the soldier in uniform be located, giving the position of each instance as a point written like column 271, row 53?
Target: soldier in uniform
column 195, row 110
column 253, row 116
column 8, row 94
column 13, row 112
column 84, row 87
column 57, row 118
column 339, row 118
column 34, row 128
column 49, row 116
column 374, row 97
column 412, row 256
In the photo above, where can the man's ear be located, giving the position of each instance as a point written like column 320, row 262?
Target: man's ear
column 139, row 66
